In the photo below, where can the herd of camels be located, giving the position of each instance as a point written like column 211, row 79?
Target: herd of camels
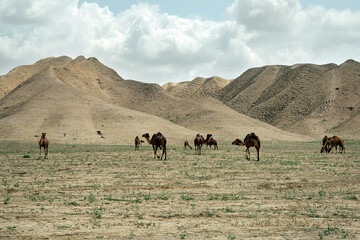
column 251, row 140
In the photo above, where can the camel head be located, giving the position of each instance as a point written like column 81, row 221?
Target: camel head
column 237, row 142
column 146, row 135
column 322, row 150
column 43, row 135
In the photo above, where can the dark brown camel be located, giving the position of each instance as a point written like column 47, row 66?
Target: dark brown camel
column 251, row 140
column 137, row 143
column 334, row 142
column 44, row 142
column 209, row 141
column 157, row 141
column 186, row 144
column 324, row 140
column 198, row 142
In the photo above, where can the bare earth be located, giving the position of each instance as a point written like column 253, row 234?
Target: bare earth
column 112, row 192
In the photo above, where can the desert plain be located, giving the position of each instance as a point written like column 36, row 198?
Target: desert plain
column 96, row 186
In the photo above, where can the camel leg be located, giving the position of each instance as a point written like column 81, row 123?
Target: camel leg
column 164, row 151
column 258, row 153
column 158, row 156
column 46, row 152
column 40, row 152
column 248, row 154
column 154, row 151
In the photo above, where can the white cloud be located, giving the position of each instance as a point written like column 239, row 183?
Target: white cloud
column 146, row 44
column 265, row 15
column 287, row 34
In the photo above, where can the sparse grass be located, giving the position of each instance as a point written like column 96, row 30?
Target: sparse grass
column 93, row 190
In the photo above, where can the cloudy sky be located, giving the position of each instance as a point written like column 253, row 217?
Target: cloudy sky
column 162, row 41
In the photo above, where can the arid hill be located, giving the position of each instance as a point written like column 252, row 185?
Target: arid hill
column 73, row 100
column 303, row 98
column 199, row 87
column 44, row 103
column 20, row 74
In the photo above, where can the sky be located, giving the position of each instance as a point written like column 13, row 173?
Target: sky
column 162, row 41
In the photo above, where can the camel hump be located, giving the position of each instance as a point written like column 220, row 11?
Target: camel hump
column 159, row 134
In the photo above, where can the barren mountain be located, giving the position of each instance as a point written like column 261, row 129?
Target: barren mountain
column 44, row 103
column 199, row 87
column 20, row 74
column 303, row 98
column 73, row 100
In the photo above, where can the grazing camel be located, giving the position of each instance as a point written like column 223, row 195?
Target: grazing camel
column 186, row 144
column 198, row 142
column 334, row 142
column 209, row 141
column 157, row 141
column 44, row 142
column 324, row 140
column 251, row 140
column 137, row 143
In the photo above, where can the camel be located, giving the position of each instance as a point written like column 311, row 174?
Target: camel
column 251, row 140
column 323, row 144
column 157, row 141
column 210, row 141
column 198, row 142
column 186, row 144
column 44, row 142
column 137, row 143
column 334, row 141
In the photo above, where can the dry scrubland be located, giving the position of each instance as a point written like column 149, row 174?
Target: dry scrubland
column 112, row 192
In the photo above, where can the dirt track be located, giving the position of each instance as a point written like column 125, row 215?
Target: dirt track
column 112, row 192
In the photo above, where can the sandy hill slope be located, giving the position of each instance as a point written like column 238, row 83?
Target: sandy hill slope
column 304, row 98
column 20, row 74
column 83, row 96
column 199, row 87
column 44, row 103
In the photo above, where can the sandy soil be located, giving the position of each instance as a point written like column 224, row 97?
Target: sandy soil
column 113, row 192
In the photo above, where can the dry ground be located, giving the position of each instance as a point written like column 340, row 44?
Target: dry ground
column 112, row 192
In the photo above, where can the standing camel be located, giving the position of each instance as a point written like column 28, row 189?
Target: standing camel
column 137, row 143
column 157, row 141
column 334, row 142
column 44, row 142
column 210, row 141
column 198, row 142
column 186, row 144
column 251, row 140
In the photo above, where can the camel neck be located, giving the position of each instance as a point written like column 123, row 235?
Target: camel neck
column 148, row 139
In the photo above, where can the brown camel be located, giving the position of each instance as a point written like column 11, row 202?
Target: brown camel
column 251, row 140
column 209, row 141
column 186, row 144
column 44, row 142
column 157, row 141
column 324, row 140
column 198, row 142
column 137, row 143
column 334, row 142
